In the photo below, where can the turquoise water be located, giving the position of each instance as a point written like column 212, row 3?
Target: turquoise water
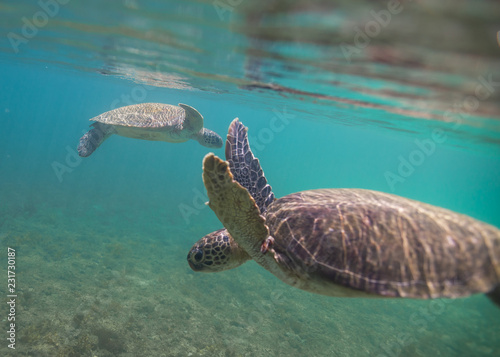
column 101, row 242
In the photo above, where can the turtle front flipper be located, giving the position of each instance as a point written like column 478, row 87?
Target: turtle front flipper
column 194, row 120
column 91, row 140
column 234, row 207
column 245, row 167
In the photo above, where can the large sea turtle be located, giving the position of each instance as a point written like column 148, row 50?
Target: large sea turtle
column 342, row 242
column 149, row 121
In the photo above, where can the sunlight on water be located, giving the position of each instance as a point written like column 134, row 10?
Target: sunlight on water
column 399, row 97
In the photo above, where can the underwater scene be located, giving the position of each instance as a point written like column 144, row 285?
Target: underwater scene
column 96, row 223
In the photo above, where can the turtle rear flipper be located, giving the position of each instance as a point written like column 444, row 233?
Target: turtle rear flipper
column 245, row 167
column 91, row 140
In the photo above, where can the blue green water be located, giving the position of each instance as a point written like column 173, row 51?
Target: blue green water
column 101, row 242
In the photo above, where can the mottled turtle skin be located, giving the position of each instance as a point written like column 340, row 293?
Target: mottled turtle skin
column 342, row 242
column 149, row 121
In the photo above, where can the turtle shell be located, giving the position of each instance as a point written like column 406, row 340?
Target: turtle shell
column 383, row 244
column 145, row 115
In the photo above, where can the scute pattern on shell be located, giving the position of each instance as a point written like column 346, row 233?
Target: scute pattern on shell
column 145, row 115
column 384, row 244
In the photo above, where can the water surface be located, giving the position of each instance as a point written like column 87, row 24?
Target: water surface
column 331, row 100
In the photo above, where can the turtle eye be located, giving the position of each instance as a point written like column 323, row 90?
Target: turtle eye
column 198, row 256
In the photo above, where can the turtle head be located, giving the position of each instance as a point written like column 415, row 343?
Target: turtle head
column 216, row 252
column 208, row 138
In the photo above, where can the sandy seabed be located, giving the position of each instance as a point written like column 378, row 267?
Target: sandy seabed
column 92, row 283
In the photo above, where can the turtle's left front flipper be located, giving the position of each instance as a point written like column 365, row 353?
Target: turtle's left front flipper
column 234, row 206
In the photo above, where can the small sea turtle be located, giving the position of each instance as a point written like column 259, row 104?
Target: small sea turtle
column 342, row 242
column 149, row 121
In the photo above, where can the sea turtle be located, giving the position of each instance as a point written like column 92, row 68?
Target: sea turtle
column 342, row 242
column 149, row 121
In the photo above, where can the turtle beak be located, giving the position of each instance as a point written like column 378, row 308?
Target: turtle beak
column 193, row 266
